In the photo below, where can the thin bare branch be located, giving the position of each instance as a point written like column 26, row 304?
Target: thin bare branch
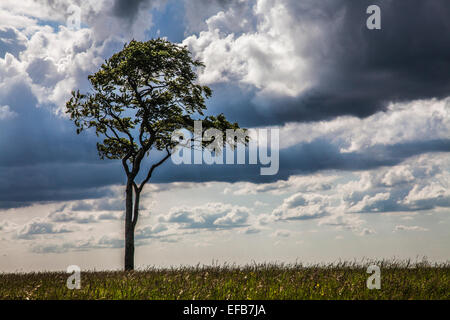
column 153, row 167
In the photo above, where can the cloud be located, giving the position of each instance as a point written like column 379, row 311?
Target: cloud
column 70, row 216
column 409, row 228
column 129, row 9
column 107, row 241
column 315, row 60
column 259, row 204
column 341, row 220
column 302, row 207
column 212, row 216
column 427, row 196
column 251, row 230
column 95, row 210
column 7, row 226
column 110, row 242
column 310, row 183
column 150, row 232
column 401, row 123
column 371, row 203
column 282, row 234
column 362, row 192
column 340, row 207
column 6, row 113
column 47, row 161
column 103, row 204
column 366, row 232
column 197, row 13
column 11, row 41
column 264, row 59
column 419, row 184
column 58, row 59
column 67, row 246
column 40, row 227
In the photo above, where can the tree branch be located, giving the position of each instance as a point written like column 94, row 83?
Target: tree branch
column 125, row 164
column 118, row 119
column 153, row 167
column 137, row 196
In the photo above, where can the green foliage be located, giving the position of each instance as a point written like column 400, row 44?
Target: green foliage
column 139, row 97
column 399, row 280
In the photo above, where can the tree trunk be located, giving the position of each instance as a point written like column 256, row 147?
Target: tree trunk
column 129, row 228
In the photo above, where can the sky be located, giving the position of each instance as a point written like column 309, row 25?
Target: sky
column 363, row 118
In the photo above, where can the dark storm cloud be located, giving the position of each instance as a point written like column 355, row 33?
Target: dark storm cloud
column 304, row 158
column 363, row 70
column 35, row 136
column 121, row 8
column 41, row 158
column 128, row 9
column 79, row 175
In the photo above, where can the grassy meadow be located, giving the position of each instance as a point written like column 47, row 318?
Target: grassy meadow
column 344, row 280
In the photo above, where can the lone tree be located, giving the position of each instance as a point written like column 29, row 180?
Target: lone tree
column 139, row 97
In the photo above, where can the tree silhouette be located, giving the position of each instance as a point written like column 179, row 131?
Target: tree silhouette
column 139, row 97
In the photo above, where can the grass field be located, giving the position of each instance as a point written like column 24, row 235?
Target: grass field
column 399, row 280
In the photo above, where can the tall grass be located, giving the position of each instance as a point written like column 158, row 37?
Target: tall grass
column 342, row 280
